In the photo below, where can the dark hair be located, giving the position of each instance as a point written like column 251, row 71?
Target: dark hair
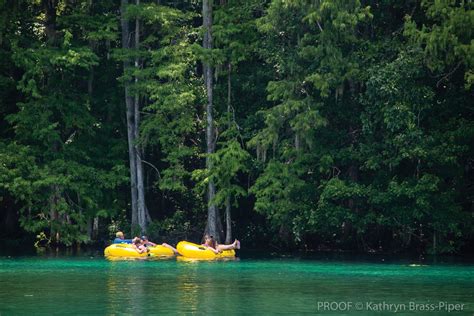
column 213, row 241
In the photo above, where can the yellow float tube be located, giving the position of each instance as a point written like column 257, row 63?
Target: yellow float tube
column 128, row 251
column 195, row 251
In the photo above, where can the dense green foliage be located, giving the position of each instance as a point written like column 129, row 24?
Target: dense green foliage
column 339, row 124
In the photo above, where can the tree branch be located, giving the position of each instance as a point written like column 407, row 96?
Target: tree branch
column 445, row 77
column 151, row 165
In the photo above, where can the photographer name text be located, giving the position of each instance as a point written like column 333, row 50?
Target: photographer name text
column 441, row 306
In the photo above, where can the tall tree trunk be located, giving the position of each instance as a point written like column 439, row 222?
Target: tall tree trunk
column 95, row 227
column 228, row 217
column 142, row 218
column 92, row 225
column 130, row 113
column 49, row 7
column 92, row 228
column 212, row 215
column 50, row 20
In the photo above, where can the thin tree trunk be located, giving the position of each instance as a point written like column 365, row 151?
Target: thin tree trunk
column 147, row 215
column 130, row 119
column 212, row 215
column 228, row 221
column 53, row 211
column 90, row 226
column 95, row 227
column 90, row 81
column 50, row 20
column 228, row 217
column 229, row 69
column 142, row 219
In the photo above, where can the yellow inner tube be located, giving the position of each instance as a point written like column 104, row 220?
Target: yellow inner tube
column 195, row 251
column 128, row 251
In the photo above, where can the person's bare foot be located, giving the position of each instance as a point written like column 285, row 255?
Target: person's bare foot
column 237, row 244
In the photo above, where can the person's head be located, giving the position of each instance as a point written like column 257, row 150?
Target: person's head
column 145, row 238
column 120, row 235
column 136, row 241
column 209, row 240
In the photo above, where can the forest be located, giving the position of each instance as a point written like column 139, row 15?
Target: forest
column 289, row 124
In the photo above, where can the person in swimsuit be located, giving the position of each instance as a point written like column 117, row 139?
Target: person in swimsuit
column 137, row 244
column 147, row 243
column 210, row 243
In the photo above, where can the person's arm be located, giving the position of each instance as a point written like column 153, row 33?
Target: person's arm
column 213, row 250
column 210, row 248
column 149, row 243
column 138, row 249
column 122, row 241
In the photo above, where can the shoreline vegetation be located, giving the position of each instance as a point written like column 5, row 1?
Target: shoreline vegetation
column 10, row 248
column 340, row 126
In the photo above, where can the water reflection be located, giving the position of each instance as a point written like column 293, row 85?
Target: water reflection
column 188, row 288
column 209, row 287
column 125, row 289
column 113, row 290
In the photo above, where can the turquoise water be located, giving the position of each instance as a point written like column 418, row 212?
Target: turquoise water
column 95, row 286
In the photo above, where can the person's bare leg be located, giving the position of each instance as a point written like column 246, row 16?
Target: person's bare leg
column 170, row 247
column 234, row 245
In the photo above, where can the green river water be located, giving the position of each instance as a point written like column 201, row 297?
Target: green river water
column 92, row 285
